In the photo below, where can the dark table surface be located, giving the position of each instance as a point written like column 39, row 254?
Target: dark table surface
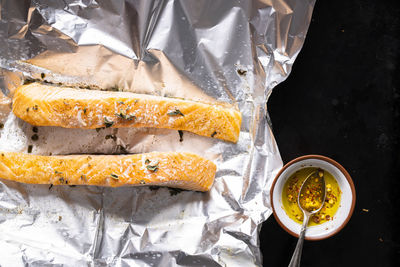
column 342, row 100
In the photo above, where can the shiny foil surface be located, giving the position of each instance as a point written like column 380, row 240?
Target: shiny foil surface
column 214, row 50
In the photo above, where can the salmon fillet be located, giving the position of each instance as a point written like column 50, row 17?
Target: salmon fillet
column 46, row 105
column 174, row 169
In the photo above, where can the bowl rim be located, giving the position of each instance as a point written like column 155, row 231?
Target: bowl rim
column 337, row 165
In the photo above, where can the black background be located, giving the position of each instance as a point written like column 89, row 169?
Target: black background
column 342, row 100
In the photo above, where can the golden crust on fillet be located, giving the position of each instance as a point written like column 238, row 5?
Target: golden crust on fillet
column 174, row 169
column 46, row 105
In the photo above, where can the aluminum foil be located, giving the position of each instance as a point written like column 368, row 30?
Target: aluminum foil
column 215, row 50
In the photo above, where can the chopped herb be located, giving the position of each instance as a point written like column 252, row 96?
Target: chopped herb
column 84, row 110
column 35, row 129
column 57, row 172
column 108, row 123
column 1, row 125
column 114, row 176
column 111, row 136
column 98, row 129
column 51, row 185
column 121, row 102
column 42, row 75
column 241, row 72
column 122, row 114
column 175, row 113
column 130, row 117
column 213, row 134
column 180, row 135
column 61, row 179
column 35, row 107
column 27, row 109
column 35, row 137
column 153, row 167
column 147, row 161
column 30, row 147
column 142, row 182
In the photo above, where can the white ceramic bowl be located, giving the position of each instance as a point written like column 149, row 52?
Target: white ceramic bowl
column 347, row 200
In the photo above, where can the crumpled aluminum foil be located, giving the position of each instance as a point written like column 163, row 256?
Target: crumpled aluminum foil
column 231, row 51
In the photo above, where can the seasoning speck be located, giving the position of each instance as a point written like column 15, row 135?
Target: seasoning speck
column 111, row 136
column 42, row 75
column 213, row 134
column 51, row 185
column 174, row 191
column 35, row 107
column 142, row 182
column 114, row 176
column 147, row 161
column 154, row 188
column 84, row 110
column 35, row 137
column 180, row 135
column 30, row 147
column 1, row 125
column 241, row 72
column 28, row 81
column 35, row 129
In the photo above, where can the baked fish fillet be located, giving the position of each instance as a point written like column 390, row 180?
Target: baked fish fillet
column 46, row 105
column 173, row 169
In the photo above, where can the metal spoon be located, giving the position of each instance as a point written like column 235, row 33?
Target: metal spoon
column 295, row 261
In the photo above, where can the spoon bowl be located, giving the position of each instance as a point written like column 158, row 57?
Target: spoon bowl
column 311, row 191
column 316, row 177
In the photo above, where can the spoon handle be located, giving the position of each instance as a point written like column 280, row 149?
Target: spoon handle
column 295, row 261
